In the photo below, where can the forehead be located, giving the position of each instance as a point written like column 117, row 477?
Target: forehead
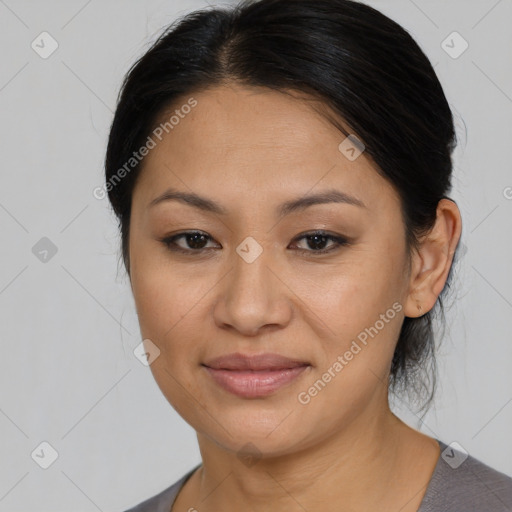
column 238, row 139
column 234, row 116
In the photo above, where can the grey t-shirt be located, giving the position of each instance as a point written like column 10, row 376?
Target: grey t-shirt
column 457, row 485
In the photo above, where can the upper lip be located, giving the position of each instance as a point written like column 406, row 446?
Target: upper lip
column 267, row 361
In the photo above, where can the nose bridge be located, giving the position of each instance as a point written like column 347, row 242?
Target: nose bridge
column 251, row 279
column 252, row 296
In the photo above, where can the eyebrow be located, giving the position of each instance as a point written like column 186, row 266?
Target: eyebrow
column 294, row 205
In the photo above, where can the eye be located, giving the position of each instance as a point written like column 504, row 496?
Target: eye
column 317, row 239
column 195, row 240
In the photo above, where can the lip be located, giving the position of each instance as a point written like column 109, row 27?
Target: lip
column 254, row 383
column 266, row 361
column 254, row 376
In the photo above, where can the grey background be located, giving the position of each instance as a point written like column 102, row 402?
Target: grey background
column 68, row 375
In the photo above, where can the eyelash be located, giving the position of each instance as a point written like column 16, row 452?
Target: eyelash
column 169, row 242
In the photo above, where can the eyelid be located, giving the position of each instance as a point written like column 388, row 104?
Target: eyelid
column 168, row 240
column 339, row 241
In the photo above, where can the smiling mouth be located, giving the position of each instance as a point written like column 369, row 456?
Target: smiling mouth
column 250, row 383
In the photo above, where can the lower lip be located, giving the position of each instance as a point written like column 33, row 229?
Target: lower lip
column 254, row 384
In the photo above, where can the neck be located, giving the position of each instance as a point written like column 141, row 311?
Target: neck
column 359, row 468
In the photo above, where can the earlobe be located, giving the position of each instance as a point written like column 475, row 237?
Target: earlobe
column 433, row 259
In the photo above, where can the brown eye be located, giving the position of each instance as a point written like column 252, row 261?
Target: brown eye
column 318, row 239
column 195, row 241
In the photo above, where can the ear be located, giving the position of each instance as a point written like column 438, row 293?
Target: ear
column 432, row 261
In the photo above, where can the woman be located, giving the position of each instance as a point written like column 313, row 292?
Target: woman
column 280, row 172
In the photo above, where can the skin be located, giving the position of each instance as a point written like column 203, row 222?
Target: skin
column 250, row 150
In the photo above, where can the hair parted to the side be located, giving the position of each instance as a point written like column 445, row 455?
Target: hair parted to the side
column 361, row 65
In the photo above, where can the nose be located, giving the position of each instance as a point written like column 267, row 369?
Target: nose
column 253, row 297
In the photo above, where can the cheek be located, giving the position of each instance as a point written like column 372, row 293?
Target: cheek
column 359, row 301
column 155, row 289
column 352, row 294
column 163, row 300
column 172, row 307
column 168, row 305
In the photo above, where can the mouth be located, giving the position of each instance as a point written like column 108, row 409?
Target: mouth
column 267, row 361
column 254, row 383
column 254, row 376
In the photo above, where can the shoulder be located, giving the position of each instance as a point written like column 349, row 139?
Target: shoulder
column 461, row 482
column 163, row 501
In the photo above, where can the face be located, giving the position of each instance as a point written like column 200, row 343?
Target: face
column 251, row 277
